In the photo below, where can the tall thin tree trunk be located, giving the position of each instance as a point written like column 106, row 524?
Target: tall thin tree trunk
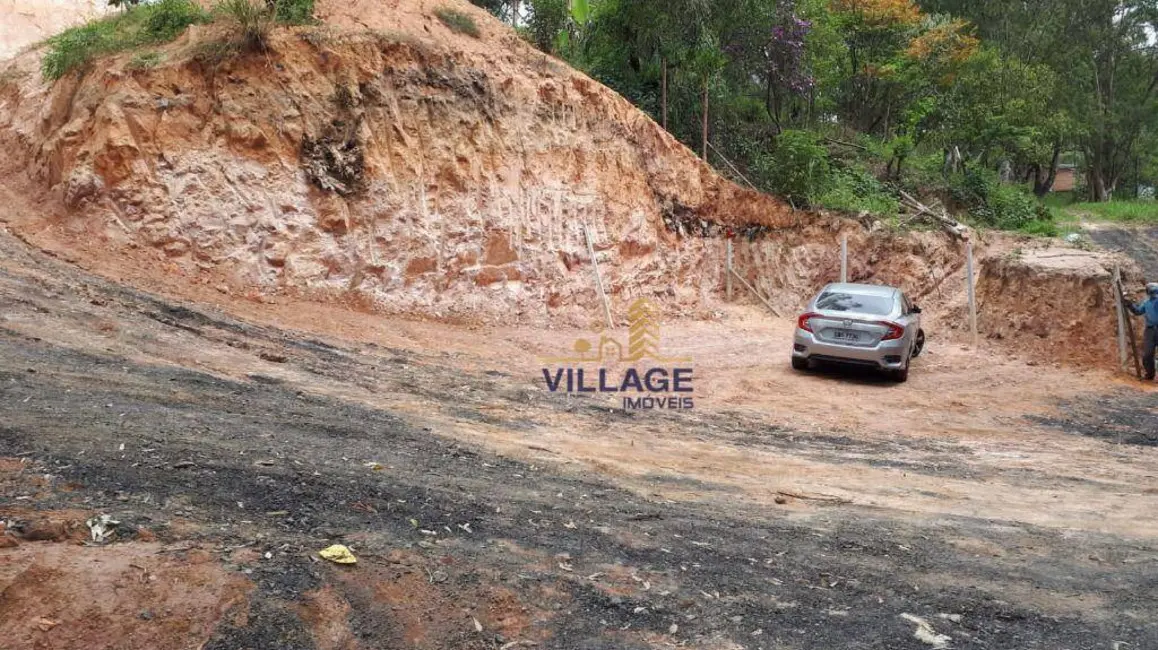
column 705, row 129
column 1043, row 185
column 663, row 91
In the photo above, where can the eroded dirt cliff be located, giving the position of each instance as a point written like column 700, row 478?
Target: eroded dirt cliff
column 383, row 160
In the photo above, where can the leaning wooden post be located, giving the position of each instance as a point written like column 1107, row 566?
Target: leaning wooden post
column 1115, row 288
column 728, row 268
column 844, row 257
column 969, row 288
column 598, row 278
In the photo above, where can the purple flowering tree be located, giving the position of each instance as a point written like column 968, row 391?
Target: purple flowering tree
column 774, row 54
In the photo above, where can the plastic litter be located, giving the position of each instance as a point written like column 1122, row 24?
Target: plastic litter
column 338, row 554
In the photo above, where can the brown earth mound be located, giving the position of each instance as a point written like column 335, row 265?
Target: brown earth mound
column 386, row 161
column 1053, row 303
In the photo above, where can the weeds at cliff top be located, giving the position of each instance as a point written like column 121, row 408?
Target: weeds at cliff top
column 212, row 53
column 147, row 24
column 252, row 20
column 457, row 21
column 145, row 61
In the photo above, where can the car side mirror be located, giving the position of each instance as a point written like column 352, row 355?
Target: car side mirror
column 916, row 309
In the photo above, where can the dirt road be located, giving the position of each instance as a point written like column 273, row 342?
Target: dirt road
column 1007, row 505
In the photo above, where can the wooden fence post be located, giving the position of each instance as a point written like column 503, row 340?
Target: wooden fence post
column 970, row 293
column 844, row 257
column 728, row 269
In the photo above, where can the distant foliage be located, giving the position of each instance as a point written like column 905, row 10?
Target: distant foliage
column 457, row 21
column 798, row 167
column 855, row 190
column 146, row 24
column 548, row 22
column 880, row 13
column 292, row 12
column 997, row 204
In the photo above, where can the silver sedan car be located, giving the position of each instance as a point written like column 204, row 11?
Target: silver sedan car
column 860, row 324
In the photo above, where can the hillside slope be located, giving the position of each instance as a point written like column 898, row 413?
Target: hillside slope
column 383, row 160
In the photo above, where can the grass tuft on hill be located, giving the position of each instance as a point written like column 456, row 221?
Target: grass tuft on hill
column 143, row 25
column 458, row 21
column 1119, row 211
column 146, row 24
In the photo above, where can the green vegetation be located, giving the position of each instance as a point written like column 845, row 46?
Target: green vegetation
column 980, row 102
column 457, row 21
column 1142, row 211
column 146, row 24
column 293, row 12
column 251, row 20
column 855, row 190
column 145, row 61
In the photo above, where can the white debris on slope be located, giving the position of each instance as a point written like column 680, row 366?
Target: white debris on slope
column 925, row 632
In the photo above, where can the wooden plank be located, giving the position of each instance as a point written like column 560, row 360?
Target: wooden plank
column 757, row 294
column 1130, row 332
column 598, row 278
column 1121, row 314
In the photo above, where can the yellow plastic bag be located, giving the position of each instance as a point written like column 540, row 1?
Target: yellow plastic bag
column 338, row 554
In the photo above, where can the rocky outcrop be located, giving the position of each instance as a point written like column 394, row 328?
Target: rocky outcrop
column 410, row 170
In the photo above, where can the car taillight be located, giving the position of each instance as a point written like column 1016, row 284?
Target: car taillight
column 803, row 321
column 895, row 331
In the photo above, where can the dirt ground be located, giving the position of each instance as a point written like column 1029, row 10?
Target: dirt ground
column 1006, row 502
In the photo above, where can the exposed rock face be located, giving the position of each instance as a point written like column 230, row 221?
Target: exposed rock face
column 1054, row 303
column 416, row 171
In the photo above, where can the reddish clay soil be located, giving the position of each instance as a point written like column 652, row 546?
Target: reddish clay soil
column 1007, row 493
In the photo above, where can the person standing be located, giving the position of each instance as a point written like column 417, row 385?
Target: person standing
column 1149, row 309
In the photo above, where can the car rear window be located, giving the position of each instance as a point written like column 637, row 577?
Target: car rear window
column 865, row 304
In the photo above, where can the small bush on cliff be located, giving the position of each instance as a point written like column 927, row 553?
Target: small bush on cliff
column 457, row 21
column 797, row 169
column 292, row 12
column 856, row 190
column 253, row 20
column 993, row 203
column 145, row 24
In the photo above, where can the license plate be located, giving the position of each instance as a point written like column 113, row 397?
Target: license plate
column 851, row 336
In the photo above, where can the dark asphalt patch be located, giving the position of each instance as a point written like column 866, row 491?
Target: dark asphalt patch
column 1129, row 418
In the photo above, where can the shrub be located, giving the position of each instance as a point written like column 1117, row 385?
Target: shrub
column 167, row 19
column 856, row 190
column 252, row 20
column 144, row 61
column 1040, row 227
column 797, row 169
column 292, row 12
column 145, row 24
column 457, row 21
column 993, row 203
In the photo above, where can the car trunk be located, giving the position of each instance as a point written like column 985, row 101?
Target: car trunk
column 848, row 328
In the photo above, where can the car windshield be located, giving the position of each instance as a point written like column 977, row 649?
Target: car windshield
column 865, row 304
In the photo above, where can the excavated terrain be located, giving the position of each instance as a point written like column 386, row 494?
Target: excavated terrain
column 394, row 165
column 253, row 304
column 230, row 452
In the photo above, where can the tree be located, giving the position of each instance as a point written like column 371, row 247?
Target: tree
column 1104, row 55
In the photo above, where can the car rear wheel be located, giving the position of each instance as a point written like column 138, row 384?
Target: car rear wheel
column 900, row 376
column 919, row 346
column 799, row 364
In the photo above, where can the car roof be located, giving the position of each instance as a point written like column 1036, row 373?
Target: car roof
column 862, row 289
